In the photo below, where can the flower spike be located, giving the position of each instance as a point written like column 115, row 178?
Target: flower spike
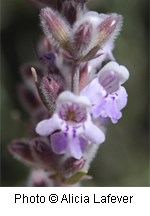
column 71, row 93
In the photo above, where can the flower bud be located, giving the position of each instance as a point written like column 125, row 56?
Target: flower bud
column 109, row 28
column 69, row 10
column 49, row 87
column 55, row 28
column 86, row 36
column 73, row 9
column 83, row 38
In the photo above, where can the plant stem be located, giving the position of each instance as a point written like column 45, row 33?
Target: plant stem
column 75, row 79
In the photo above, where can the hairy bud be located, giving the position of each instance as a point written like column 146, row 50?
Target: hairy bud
column 109, row 28
column 83, row 38
column 49, row 88
column 56, row 28
column 69, row 10
column 72, row 9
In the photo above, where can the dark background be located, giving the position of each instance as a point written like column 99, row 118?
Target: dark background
column 124, row 158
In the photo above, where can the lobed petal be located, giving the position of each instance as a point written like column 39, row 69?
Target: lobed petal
column 122, row 98
column 46, row 127
column 59, row 143
column 67, row 96
column 109, row 107
column 121, row 72
column 93, row 133
column 94, row 92
column 75, row 148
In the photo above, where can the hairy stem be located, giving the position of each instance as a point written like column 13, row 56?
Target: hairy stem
column 75, row 79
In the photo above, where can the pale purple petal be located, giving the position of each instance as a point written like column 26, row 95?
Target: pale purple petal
column 83, row 144
column 99, row 109
column 59, row 143
column 75, row 148
column 108, row 108
column 121, row 72
column 93, row 133
column 122, row 98
column 110, row 81
column 112, row 111
column 46, row 127
column 69, row 97
column 94, row 91
column 102, row 121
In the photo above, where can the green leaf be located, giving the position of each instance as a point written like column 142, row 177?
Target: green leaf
column 76, row 178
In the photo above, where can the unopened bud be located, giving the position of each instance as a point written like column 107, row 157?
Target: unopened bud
column 70, row 11
column 109, row 28
column 83, row 38
column 49, row 89
column 55, row 28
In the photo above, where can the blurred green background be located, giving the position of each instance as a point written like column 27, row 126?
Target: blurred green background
column 123, row 160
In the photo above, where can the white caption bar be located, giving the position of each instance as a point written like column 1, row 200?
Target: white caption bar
column 74, row 201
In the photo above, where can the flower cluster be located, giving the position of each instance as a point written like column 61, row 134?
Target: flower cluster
column 80, row 84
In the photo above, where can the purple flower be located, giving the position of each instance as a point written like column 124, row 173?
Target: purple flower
column 72, row 125
column 105, row 92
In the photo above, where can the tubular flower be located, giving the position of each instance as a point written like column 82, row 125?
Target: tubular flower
column 73, row 121
column 105, row 92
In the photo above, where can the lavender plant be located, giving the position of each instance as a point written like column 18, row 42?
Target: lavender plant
column 72, row 92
